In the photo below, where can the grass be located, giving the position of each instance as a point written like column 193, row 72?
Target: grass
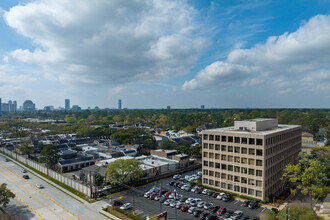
column 122, row 214
column 75, row 192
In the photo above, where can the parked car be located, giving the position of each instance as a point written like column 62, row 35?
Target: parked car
column 6, row 159
column 246, row 218
column 220, row 196
column 147, row 194
column 183, row 199
column 168, row 201
column 26, row 177
column 211, row 217
column 188, row 188
column 176, row 177
column 185, row 208
column 210, row 193
column 194, row 189
column 205, row 191
column 158, row 197
column 177, row 184
column 228, row 197
column 39, row 186
column 152, row 196
column 197, row 212
column 192, row 209
column 183, row 186
column 163, row 199
column 221, row 211
column 174, row 203
column 172, row 183
column 167, row 194
column 189, row 200
column 198, row 191
column 237, row 215
column 180, row 185
column 126, row 206
column 228, row 214
column 246, row 203
column 215, row 209
column 201, row 204
column 179, row 205
column 208, row 206
column 253, row 205
column 215, row 195
column 24, row 171
column 117, row 202
column 203, row 215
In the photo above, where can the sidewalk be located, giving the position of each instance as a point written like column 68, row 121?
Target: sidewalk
column 324, row 209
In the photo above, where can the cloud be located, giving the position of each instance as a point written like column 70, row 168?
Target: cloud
column 289, row 62
column 108, row 42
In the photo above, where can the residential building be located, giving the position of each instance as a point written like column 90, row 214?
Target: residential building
column 249, row 158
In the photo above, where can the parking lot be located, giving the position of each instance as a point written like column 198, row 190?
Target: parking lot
column 146, row 207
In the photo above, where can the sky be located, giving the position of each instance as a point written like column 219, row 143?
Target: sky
column 155, row 53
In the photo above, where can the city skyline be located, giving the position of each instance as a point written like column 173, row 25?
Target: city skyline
column 183, row 54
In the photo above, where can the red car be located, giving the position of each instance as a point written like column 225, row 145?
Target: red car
column 152, row 196
column 185, row 208
column 221, row 211
column 167, row 194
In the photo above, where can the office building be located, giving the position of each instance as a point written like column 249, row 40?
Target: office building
column 168, row 107
column 119, row 104
column 76, row 108
column 202, row 106
column 0, row 106
column 67, row 104
column 28, row 105
column 11, row 106
column 249, row 158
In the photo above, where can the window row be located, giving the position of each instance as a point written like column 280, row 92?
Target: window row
column 242, row 160
column 240, row 150
column 230, row 177
column 232, row 187
column 232, row 168
column 231, row 139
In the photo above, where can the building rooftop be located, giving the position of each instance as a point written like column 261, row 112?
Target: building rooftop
column 166, row 151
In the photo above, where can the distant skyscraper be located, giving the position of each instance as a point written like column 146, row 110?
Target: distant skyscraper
column 168, row 107
column 202, row 106
column 14, row 105
column 119, row 104
column 67, row 104
column 0, row 106
column 28, row 105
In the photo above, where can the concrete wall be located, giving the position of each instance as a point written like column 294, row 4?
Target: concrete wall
column 67, row 181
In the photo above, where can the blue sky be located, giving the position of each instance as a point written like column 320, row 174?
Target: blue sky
column 150, row 54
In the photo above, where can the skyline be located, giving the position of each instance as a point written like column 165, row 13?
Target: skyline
column 151, row 54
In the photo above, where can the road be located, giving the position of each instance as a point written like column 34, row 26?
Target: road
column 146, row 207
column 47, row 203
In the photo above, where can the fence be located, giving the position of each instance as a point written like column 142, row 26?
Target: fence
column 65, row 180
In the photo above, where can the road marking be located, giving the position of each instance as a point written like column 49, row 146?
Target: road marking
column 30, row 194
column 29, row 207
column 263, row 210
column 236, row 202
column 41, row 192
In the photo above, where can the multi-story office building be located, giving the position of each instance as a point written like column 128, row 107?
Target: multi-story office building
column 67, row 104
column 119, row 104
column 249, row 158
column 28, row 105
column 11, row 106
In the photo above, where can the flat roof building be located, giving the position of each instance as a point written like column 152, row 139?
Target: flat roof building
column 249, row 158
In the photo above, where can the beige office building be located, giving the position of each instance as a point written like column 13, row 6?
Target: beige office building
column 249, row 158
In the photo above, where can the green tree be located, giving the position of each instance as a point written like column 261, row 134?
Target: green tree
column 122, row 171
column 310, row 173
column 50, row 153
column 295, row 212
column 323, row 155
column 25, row 148
column 5, row 195
column 168, row 145
column 98, row 179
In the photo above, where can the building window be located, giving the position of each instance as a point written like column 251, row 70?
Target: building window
column 251, row 171
column 224, row 138
column 217, row 174
column 205, row 146
column 223, row 185
column 244, row 140
column 251, row 182
column 205, row 154
column 211, row 164
column 244, row 150
column 223, row 176
column 223, row 147
column 217, row 165
column 251, row 161
column 211, row 146
column 205, row 137
column 230, row 177
column 230, row 167
column 243, row 190
column 230, row 158
column 211, row 173
column 259, row 162
column 258, row 172
column 237, row 140
column 217, row 156
column 243, row 180
column 258, row 183
column 206, row 172
column 211, row 137
column 251, row 141
column 230, row 148
column 244, row 170
column 211, row 182
column 259, row 142
column 237, row 149
column 211, row 155
column 217, row 147
column 217, row 137
column 223, row 157
column 217, row 183
column 258, row 193
column 259, row 152
column 237, row 169
column 244, row 160
column 205, row 181
column 223, row 166
column 236, row 179
column 230, row 186
column 230, row 139
column 237, row 159
column 251, row 151
column 236, row 188
column 206, row 163
column 251, row 191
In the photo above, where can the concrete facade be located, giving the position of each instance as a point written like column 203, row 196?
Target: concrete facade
column 249, row 161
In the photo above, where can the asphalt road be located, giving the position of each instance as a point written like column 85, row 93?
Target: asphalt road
column 46, row 203
column 146, row 207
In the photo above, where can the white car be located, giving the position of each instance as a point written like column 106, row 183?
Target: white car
column 39, row 186
column 205, row 191
column 154, row 189
column 194, row 189
column 173, row 204
column 220, row 196
column 126, row 206
column 201, row 204
column 208, row 206
column 176, row 177
column 236, row 215
column 167, row 202
column 188, row 201
column 183, row 186
column 192, row 209
column 147, row 194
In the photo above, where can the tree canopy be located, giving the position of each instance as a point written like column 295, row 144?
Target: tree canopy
column 50, row 153
column 5, row 195
column 295, row 212
column 123, row 170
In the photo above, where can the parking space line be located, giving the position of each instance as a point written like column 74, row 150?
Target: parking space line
column 236, row 202
column 263, row 210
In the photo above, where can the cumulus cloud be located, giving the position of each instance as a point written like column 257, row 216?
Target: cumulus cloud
column 108, row 42
column 298, row 60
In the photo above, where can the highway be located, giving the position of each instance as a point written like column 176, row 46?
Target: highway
column 47, row 203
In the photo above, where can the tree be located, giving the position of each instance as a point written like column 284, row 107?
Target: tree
column 5, row 195
column 122, row 171
column 310, row 173
column 98, row 179
column 50, row 154
column 168, row 145
column 323, row 155
column 25, row 148
column 296, row 212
